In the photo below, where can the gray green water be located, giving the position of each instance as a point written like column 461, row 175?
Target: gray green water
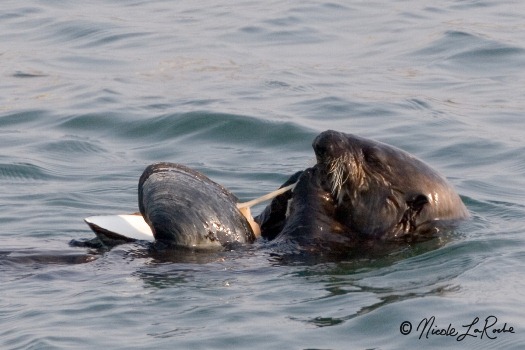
column 92, row 93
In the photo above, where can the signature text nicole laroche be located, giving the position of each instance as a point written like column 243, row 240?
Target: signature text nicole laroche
column 488, row 328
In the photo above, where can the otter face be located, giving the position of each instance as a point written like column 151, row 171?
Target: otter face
column 350, row 163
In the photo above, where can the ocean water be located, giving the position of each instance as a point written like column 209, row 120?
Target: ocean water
column 91, row 93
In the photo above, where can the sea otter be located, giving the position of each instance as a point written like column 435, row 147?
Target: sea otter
column 362, row 190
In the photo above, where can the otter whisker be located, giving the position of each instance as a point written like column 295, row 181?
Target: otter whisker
column 338, row 175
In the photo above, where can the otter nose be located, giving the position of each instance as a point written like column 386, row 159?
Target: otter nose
column 326, row 143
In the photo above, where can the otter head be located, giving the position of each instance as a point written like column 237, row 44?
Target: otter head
column 370, row 182
column 382, row 191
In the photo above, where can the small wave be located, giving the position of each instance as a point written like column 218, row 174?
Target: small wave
column 23, row 172
column 28, row 74
column 465, row 51
column 97, row 122
column 19, row 118
column 88, row 33
column 211, row 127
column 67, row 148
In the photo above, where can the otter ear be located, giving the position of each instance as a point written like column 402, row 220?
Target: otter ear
column 417, row 202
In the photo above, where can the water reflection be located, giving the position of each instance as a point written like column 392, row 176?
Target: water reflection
column 35, row 259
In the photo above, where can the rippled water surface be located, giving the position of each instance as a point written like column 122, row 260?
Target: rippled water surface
column 92, row 93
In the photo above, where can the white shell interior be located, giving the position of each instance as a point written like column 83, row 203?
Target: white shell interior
column 131, row 226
